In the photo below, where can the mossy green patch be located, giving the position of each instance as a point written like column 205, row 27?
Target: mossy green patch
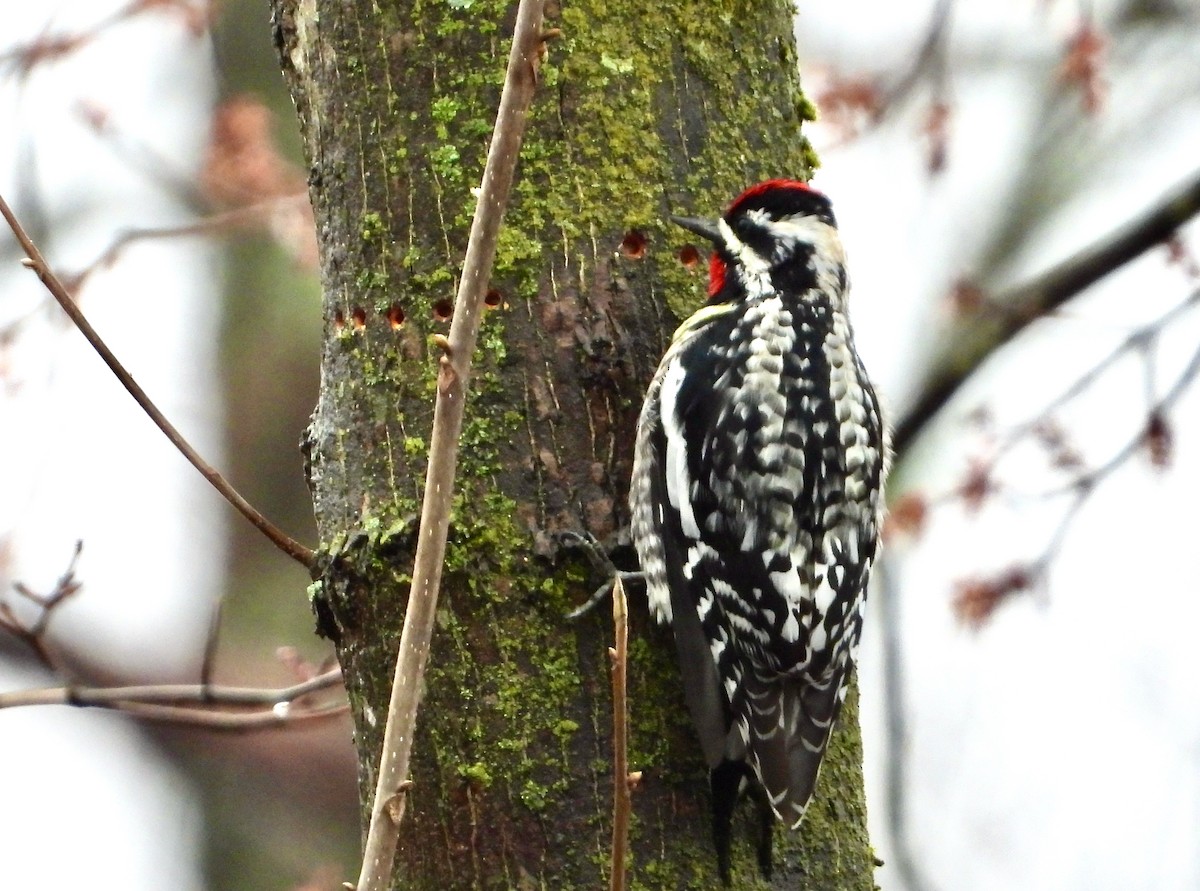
column 641, row 111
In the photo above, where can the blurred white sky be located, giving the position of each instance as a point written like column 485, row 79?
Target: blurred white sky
column 151, row 584
column 88, row 802
column 1058, row 747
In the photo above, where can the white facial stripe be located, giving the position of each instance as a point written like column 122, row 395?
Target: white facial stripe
column 750, row 260
column 754, row 269
column 789, row 231
column 828, row 257
column 809, row 230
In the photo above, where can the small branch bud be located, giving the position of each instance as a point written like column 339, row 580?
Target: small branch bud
column 977, row 599
column 395, row 805
column 1158, row 440
column 907, row 515
column 976, row 486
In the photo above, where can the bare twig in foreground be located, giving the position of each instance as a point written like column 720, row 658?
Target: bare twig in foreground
column 621, row 779
column 54, row 285
column 387, row 809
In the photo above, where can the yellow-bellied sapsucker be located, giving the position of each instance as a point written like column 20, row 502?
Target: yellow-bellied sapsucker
column 757, row 497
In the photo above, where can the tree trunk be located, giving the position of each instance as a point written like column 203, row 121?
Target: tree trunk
column 642, row 110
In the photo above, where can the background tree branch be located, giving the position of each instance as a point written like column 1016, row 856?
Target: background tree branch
column 1014, row 310
column 212, row 704
column 37, row 263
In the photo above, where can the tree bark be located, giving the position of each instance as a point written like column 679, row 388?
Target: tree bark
column 643, row 110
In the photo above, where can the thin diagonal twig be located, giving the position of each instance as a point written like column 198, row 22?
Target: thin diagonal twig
column 54, row 285
column 1142, row 339
column 932, row 46
column 33, row 634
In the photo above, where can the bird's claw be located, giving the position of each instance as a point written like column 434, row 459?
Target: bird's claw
column 600, row 560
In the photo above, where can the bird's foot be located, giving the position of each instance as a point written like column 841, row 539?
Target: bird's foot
column 603, row 564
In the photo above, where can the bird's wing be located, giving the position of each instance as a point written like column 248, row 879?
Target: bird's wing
column 746, row 552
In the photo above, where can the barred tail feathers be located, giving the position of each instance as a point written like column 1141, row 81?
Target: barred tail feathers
column 788, row 723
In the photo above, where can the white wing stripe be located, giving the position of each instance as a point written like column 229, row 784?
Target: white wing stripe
column 679, row 485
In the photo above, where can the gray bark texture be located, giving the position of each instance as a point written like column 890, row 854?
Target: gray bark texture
column 642, row 110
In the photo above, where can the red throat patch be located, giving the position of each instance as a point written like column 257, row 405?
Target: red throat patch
column 716, row 274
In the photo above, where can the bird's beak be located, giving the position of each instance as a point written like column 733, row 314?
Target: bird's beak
column 702, row 227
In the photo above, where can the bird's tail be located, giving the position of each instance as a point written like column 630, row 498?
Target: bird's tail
column 788, row 723
column 780, row 732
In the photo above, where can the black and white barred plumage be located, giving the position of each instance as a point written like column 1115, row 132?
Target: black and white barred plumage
column 757, row 497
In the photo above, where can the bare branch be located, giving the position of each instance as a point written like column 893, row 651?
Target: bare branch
column 41, row 268
column 32, row 634
column 1036, row 299
column 205, row 705
column 854, row 103
column 52, row 47
column 930, row 57
column 209, row 663
column 170, row 694
column 232, row 722
column 258, row 214
column 217, row 223
column 1141, row 339
column 978, row 597
column 621, row 779
column 454, row 372
column 1084, row 485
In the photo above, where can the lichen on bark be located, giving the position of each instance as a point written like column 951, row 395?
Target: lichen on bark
column 643, row 110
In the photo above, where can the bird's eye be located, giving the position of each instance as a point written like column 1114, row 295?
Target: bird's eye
column 744, row 228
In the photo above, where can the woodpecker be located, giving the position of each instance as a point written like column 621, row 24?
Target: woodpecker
column 757, row 498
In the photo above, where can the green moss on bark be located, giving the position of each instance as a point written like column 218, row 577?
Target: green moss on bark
column 642, row 110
